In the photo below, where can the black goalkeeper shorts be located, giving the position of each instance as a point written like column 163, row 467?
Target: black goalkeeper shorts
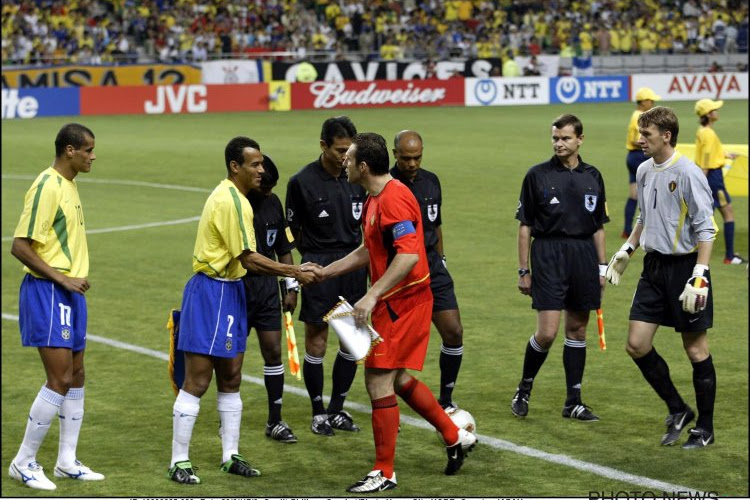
column 656, row 298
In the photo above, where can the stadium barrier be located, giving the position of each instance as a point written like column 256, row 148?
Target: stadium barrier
column 30, row 102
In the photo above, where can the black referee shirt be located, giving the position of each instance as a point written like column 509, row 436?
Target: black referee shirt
column 271, row 237
column 558, row 202
column 426, row 189
column 326, row 211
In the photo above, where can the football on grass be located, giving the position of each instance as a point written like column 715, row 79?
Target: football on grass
column 462, row 418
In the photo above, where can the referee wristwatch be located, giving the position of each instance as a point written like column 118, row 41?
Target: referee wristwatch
column 522, row 271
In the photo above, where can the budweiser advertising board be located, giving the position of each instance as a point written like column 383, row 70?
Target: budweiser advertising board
column 378, row 93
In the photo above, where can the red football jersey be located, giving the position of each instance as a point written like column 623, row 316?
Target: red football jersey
column 392, row 225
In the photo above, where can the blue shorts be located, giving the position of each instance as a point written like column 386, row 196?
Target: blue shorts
column 634, row 159
column 50, row 316
column 213, row 319
column 715, row 179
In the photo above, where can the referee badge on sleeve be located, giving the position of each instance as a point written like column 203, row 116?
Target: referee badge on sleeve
column 589, row 201
column 271, row 237
column 357, row 209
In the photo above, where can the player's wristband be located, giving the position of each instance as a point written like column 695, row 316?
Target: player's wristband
column 627, row 247
column 292, row 285
column 602, row 269
column 522, row 271
column 699, row 270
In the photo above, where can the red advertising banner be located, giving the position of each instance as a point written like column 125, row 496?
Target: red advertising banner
column 378, row 93
column 169, row 99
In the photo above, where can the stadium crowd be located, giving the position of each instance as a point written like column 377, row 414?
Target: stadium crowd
column 41, row 32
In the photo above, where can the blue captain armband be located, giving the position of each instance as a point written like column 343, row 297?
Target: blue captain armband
column 402, row 229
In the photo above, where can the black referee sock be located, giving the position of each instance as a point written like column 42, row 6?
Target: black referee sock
column 344, row 370
column 704, row 382
column 533, row 360
column 312, row 372
column 574, row 362
column 450, row 364
column 656, row 372
column 273, row 376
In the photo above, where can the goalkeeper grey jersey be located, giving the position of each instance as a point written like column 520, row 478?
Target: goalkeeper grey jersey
column 676, row 207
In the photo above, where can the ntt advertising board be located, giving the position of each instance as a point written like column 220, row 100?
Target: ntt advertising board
column 33, row 102
column 506, row 91
column 572, row 89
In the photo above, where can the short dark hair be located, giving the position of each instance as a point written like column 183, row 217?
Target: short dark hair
column 338, row 126
column 73, row 134
column 568, row 119
column 665, row 120
column 270, row 173
column 235, row 147
column 373, row 150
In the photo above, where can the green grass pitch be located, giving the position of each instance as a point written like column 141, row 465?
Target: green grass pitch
column 481, row 155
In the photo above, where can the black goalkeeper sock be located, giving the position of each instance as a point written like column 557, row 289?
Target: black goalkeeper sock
column 704, row 382
column 656, row 372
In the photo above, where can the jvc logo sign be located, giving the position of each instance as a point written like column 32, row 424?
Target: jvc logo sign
column 570, row 89
column 18, row 107
column 172, row 99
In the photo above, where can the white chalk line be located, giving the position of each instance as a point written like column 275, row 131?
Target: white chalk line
column 484, row 440
column 126, row 183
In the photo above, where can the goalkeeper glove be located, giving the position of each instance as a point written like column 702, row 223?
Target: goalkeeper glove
column 695, row 295
column 618, row 263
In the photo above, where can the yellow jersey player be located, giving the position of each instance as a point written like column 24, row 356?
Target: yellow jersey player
column 644, row 100
column 710, row 156
column 50, row 240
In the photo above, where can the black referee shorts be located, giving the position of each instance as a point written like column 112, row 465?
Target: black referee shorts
column 564, row 274
column 656, row 297
column 263, row 303
column 319, row 299
column 441, row 284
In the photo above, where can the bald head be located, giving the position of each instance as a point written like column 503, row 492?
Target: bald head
column 407, row 149
column 406, row 136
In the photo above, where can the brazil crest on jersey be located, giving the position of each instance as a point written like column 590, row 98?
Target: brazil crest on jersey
column 52, row 218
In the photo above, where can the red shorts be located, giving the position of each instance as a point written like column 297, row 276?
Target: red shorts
column 404, row 324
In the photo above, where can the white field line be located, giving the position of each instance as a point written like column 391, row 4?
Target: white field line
column 133, row 226
column 125, row 183
column 499, row 444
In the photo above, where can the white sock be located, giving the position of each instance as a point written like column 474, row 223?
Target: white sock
column 229, row 405
column 46, row 405
column 71, row 418
column 184, row 414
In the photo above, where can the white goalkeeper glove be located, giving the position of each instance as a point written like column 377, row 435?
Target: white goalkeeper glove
column 618, row 263
column 695, row 295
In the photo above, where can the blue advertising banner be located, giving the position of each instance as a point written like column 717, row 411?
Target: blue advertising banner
column 570, row 89
column 33, row 102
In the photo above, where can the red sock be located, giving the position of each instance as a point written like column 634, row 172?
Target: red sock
column 385, row 417
column 420, row 398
